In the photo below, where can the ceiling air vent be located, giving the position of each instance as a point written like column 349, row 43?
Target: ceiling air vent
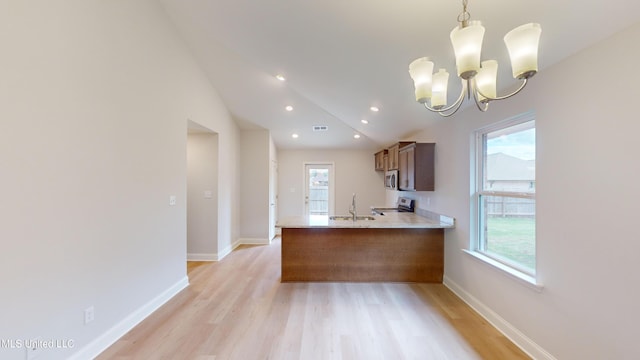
column 320, row 128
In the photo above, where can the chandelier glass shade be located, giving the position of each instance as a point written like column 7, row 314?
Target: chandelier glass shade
column 478, row 77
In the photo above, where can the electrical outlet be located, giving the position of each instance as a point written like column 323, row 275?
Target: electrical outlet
column 172, row 200
column 33, row 350
column 89, row 315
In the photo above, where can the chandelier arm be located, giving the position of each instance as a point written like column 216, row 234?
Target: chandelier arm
column 482, row 105
column 489, row 98
column 455, row 105
column 452, row 112
column 465, row 86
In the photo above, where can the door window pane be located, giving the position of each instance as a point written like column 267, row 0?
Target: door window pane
column 318, row 191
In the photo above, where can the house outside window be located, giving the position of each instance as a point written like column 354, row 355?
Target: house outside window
column 504, row 198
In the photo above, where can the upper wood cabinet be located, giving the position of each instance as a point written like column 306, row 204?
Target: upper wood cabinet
column 386, row 161
column 380, row 160
column 394, row 151
column 416, row 167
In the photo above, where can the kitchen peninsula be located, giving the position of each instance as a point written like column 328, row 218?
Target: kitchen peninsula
column 395, row 247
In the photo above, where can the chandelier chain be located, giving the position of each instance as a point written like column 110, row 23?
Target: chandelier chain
column 464, row 16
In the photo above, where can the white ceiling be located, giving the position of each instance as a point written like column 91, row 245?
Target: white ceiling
column 341, row 57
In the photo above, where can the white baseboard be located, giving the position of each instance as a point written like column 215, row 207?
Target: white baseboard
column 102, row 342
column 522, row 341
column 254, row 241
column 201, row 257
column 241, row 241
column 226, row 251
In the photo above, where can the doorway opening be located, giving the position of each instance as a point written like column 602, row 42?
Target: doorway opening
column 202, row 193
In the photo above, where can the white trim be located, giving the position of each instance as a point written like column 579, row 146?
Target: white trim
column 523, row 278
column 226, row 251
column 509, row 122
column 202, row 257
column 512, row 333
column 102, row 342
column 254, row 241
column 520, row 195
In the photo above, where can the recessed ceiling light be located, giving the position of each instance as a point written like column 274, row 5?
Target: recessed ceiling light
column 364, row 121
column 289, row 108
column 295, row 136
column 374, row 109
column 356, row 136
column 280, row 77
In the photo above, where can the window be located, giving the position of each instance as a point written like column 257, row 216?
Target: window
column 505, row 193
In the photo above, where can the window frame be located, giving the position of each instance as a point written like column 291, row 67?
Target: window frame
column 477, row 241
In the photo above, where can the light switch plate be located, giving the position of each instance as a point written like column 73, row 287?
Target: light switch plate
column 89, row 315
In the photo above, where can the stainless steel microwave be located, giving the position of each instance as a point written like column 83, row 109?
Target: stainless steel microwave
column 391, row 179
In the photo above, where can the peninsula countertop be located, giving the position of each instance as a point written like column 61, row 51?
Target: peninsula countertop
column 388, row 220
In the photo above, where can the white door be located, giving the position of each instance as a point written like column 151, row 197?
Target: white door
column 273, row 199
column 319, row 189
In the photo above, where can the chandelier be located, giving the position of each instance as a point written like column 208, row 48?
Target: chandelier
column 478, row 79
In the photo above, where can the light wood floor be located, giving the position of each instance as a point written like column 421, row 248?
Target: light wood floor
column 238, row 309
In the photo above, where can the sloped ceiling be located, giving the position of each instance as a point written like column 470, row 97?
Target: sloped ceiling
column 341, row 57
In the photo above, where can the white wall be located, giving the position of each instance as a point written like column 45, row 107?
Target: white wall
column 254, row 182
column 587, row 207
column 202, row 196
column 93, row 123
column 354, row 173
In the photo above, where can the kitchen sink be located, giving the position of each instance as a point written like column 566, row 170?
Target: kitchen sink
column 349, row 217
column 339, row 217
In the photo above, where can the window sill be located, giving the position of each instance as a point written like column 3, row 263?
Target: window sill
column 525, row 279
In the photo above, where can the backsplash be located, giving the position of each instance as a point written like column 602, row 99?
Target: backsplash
column 435, row 216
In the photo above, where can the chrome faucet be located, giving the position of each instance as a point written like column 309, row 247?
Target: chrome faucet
column 352, row 208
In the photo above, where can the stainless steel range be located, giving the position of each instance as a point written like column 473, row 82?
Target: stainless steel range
column 404, row 205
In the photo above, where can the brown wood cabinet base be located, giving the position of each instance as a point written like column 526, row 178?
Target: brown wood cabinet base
column 363, row 254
